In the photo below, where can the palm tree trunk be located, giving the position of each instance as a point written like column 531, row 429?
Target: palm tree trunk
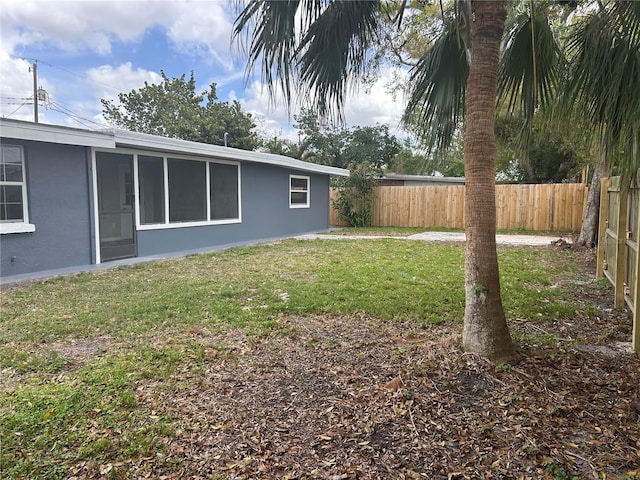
column 485, row 326
column 589, row 231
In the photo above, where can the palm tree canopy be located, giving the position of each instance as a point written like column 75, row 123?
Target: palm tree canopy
column 530, row 66
column 439, row 82
column 603, row 81
column 318, row 49
column 317, row 45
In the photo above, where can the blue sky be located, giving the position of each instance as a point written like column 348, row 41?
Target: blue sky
column 88, row 50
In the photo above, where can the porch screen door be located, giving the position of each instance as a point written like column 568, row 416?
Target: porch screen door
column 114, row 173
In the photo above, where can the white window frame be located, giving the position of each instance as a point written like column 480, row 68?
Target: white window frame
column 308, row 191
column 165, row 161
column 18, row 226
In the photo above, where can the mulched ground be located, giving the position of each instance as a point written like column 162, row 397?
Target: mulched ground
column 355, row 397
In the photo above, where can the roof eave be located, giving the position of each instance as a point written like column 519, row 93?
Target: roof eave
column 125, row 138
column 44, row 132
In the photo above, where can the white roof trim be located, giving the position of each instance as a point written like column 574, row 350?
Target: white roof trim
column 125, row 138
column 43, row 132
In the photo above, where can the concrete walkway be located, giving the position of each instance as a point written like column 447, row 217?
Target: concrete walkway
column 515, row 240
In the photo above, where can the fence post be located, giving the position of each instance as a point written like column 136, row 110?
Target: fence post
column 635, row 295
column 602, row 225
column 621, row 237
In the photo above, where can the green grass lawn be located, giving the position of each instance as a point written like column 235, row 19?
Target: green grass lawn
column 57, row 410
column 252, row 287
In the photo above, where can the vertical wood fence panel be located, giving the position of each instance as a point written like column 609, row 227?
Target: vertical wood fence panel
column 618, row 257
column 557, row 207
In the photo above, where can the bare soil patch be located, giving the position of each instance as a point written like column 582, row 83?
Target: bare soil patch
column 355, row 397
column 80, row 351
column 358, row 398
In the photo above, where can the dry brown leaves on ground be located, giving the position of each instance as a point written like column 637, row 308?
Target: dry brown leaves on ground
column 358, row 398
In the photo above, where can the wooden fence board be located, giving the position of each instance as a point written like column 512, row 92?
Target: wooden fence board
column 556, row 207
column 618, row 248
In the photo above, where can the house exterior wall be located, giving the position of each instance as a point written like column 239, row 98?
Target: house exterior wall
column 265, row 214
column 59, row 184
column 59, row 207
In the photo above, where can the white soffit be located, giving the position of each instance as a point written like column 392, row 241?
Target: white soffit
column 43, row 132
column 109, row 139
column 145, row 141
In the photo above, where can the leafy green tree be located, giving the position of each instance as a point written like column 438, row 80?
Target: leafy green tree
column 321, row 143
column 341, row 147
column 173, row 109
column 354, row 202
column 373, row 146
column 551, row 156
column 281, row 146
column 409, row 160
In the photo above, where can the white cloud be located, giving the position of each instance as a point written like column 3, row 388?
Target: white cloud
column 81, row 35
column 16, row 89
column 202, row 28
column 364, row 107
column 194, row 27
column 375, row 104
column 74, row 25
column 107, row 81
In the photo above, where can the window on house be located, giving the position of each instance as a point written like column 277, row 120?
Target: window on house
column 151, row 189
column 223, row 184
column 13, row 189
column 187, row 190
column 174, row 191
column 298, row 191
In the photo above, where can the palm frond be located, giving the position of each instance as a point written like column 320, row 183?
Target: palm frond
column 319, row 56
column 270, row 27
column 529, row 74
column 334, row 51
column 604, row 53
column 438, row 87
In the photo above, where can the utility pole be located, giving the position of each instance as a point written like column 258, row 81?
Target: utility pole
column 35, row 92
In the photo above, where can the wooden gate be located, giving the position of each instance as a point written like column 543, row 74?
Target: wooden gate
column 618, row 236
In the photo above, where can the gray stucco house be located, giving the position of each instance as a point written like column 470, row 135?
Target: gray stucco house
column 72, row 197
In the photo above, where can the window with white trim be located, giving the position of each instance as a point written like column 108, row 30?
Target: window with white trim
column 13, row 187
column 298, row 191
column 174, row 191
column 151, row 189
column 187, row 187
column 223, row 191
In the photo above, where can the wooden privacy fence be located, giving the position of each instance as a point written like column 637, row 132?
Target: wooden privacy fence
column 545, row 207
column 618, row 257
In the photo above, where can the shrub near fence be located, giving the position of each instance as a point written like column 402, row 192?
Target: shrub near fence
column 543, row 207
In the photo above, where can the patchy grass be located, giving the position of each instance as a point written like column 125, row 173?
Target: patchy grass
column 207, row 365
column 249, row 288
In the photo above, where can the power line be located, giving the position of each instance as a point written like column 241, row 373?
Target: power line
column 75, row 118
column 81, row 76
column 27, row 97
column 68, row 108
column 23, row 104
column 56, row 107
